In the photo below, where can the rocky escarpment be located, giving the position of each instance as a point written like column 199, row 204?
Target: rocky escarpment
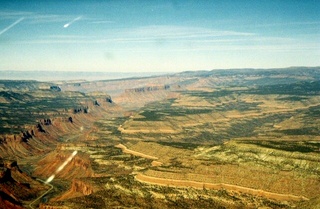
column 40, row 129
column 37, row 139
column 33, row 123
column 138, row 97
column 79, row 187
column 64, row 165
column 149, row 88
column 23, row 85
column 16, row 186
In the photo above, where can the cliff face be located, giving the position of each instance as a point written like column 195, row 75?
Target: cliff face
column 64, row 165
column 138, row 97
column 82, row 187
column 33, row 123
column 35, row 139
column 26, row 104
column 149, row 88
column 79, row 187
column 7, row 201
column 16, row 186
column 40, row 137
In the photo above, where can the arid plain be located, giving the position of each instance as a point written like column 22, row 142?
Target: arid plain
column 243, row 138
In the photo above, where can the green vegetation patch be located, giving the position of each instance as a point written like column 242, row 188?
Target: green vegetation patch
column 247, row 127
column 160, row 114
column 240, row 106
column 111, row 125
column 291, row 146
column 301, row 89
column 214, row 94
column 180, row 145
column 314, row 111
column 160, row 110
column 302, row 131
column 293, row 98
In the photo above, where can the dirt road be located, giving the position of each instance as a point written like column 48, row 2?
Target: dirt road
column 126, row 150
column 201, row 185
column 51, row 187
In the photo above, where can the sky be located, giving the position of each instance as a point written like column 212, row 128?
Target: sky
column 158, row 36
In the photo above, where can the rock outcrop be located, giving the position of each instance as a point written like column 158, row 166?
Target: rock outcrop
column 16, row 186
column 149, row 88
column 82, row 187
column 60, row 164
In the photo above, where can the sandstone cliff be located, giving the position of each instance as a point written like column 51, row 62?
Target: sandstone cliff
column 16, row 186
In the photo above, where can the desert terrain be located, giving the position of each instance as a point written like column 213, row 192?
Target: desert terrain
column 244, row 138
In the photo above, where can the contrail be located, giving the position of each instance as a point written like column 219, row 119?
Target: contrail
column 61, row 167
column 10, row 26
column 69, row 23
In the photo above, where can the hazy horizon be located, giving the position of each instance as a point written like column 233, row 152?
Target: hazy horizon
column 39, row 75
column 45, row 76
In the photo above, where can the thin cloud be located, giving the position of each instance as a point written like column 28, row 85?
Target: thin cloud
column 102, row 22
column 305, row 23
column 178, row 31
column 239, row 47
column 287, row 23
column 34, row 18
column 14, row 14
column 217, row 45
column 49, row 18
column 63, row 37
column 10, row 26
column 88, row 40
column 172, row 38
column 149, row 34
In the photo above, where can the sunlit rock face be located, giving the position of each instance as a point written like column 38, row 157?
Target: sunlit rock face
column 16, row 186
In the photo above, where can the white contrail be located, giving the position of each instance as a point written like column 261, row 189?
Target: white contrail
column 10, row 26
column 66, row 162
column 61, row 167
column 50, row 179
column 69, row 23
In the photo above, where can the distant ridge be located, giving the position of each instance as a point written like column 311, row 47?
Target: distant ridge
column 47, row 76
column 288, row 70
column 71, row 75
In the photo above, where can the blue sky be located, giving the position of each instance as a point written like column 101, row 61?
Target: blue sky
column 159, row 36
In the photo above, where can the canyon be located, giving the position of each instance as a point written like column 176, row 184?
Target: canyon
column 245, row 138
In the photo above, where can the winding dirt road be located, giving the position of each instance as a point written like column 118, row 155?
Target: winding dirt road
column 201, row 185
column 51, row 187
